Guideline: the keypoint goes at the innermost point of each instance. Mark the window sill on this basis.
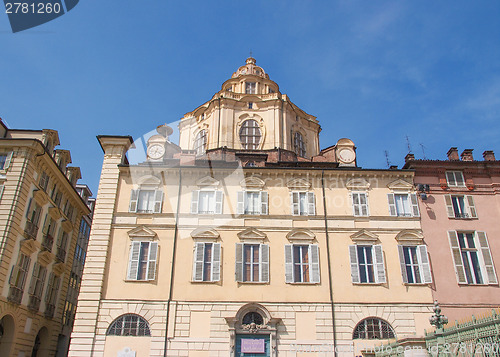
(416, 284)
(302, 283)
(368, 284)
(253, 282)
(205, 282)
(139, 281)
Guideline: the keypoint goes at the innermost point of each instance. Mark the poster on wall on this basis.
(253, 345)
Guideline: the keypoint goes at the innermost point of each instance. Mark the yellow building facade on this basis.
(40, 214)
(246, 239)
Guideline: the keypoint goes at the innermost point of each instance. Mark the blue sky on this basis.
(372, 71)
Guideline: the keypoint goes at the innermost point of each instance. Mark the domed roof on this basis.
(250, 69)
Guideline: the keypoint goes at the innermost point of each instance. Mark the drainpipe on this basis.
(174, 249)
(329, 262)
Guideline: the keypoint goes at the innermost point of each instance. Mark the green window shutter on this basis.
(264, 263)
(402, 264)
(414, 205)
(216, 255)
(314, 266)
(472, 207)
(134, 196)
(449, 206)
(46, 225)
(289, 263)
(194, 201)
(487, 259)
(28, 211)
(353, 257)
(264, 202)
(14, 273)
(153, 257)
(240, 206)
(158, 201)
(379, 264)
(219, 197)
(239, 262)
(457, 257)
(133, 264)
(392, 204)
(34, 278)
(49, 292)
(425, 267)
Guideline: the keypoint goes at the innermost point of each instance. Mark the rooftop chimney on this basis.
(453, 154)
(466, 155)
(489, 155)
(409, 157)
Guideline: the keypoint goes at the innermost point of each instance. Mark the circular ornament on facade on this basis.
(347, 155)
(156, 151)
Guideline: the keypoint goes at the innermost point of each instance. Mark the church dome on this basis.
(250, 68)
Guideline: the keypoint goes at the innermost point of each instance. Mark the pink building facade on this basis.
(459, 201)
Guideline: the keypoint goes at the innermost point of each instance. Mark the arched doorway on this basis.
(6, 335)
(41, 343)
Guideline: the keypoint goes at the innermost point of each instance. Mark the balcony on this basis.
(462, 215)
(30, 231)
(47, 243)
(34, 303)
(15, 295)
(49, 311)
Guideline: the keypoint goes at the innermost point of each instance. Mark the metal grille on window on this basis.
(253, 317)
(129, 325)
(373, 329)
(298, 144)
(250, 135)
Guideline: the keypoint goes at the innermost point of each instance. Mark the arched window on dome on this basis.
(252, 317)
(129, 325)
(200, 142)
(299, 145)
(373, 329)
(250, 135)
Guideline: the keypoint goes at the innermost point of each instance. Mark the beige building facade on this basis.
(40, 212)
(247, 239)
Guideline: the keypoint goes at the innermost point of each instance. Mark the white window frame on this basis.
(200, 142)
(484, 257)
(249, 132)
(455, 178)
(135, 260)
(378, 262)
(250, 87)
(360, 209)
(422, 263)
(215, 202)
(243, 202)
(312, 264)
(19, 274)
(299, 144)
(412, 204)
(469, 207)
(309, 208)
(7, 161)
(200, 262)
(156, 202)
(263, 263)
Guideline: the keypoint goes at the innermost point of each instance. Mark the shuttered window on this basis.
(359, 204)
(403, 205)
(207, 202)
(461, 206)
(146, 201)
(142, 261)
(302, 263)
(415, 267)
(5, 160)
(367, 264)
(252, 202)
(252, 262)
(206, 262)
(472, 258)
(303, 203)
(455, 179)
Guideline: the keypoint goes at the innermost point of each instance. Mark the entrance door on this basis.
(252, 346)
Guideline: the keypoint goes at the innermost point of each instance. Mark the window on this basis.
(129, 325)
(200, 143)
(250, 105)
(373, 329)
(32, 219)
(359, 204)
(206, 262)
(303, 203)
(455, 179)
(56, 195)
(250, 87)
(299, 146)
(252, 202)
(472, 258)
(252, 318)
(51, 295)
(18, 278)
(415, 267)
(252, 262)
(5, 160)
(250, 135)
(142, 262)
(367, 264)
(61, 244)
(271, 90)
(44, 181)
(403, 205)
(36, 286)
(206, 202)
(48, 231)
(460, 206)
(146, 201)
(302, 263)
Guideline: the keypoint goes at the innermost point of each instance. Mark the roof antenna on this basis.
(387, 158)
(250, 53)
(423, 150)
(408, 143)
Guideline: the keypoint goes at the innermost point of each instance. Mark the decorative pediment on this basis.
(40, 197)
(400, 185)
(299, 184)
(148, 180)
(45, 257)
(252, 182)
(207, 181)
(67, 226)
(142, 232)
(364, 236)
(55, 213)
(252, 233)
(358, 184)
(59, 268)
(300, 234)
(29, 246)
(410, 236)
(205, 233)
